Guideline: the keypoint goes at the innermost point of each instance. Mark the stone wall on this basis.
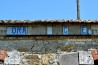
(48, 45)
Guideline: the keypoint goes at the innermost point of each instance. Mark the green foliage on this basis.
(67, 48)
(33, 59)
(23, 49)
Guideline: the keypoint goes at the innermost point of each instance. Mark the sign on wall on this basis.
(16, 30)
(65, 30)
(83, 30)
(49, 30)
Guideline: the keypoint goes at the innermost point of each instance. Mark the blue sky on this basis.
(47, 9)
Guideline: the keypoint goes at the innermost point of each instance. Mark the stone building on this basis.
(48, 35)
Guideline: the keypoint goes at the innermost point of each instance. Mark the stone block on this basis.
(69, 59)
(85, 58)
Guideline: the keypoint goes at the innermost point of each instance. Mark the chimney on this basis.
(78, 9)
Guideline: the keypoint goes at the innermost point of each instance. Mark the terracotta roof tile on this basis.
(34, 21)
(95, 54)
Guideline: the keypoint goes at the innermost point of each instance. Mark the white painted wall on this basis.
(13, 57)
(85, 57)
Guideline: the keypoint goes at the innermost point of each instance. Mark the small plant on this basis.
(67, 48)
(4, 49)
(22, 49)
(33, 59)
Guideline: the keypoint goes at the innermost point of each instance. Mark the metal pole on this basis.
(78, 9)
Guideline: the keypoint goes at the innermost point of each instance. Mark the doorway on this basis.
(95, 62)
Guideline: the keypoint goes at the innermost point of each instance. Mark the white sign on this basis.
(83, 30)
(16, 30)
(65, 30)
(49, 30)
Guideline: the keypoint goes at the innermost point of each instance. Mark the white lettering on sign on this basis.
(16, 30)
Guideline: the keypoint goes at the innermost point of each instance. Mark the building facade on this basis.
(48, 35)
